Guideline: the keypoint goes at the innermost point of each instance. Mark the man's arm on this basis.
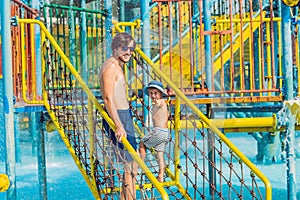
(109, 77)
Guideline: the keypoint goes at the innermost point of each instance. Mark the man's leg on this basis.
(128, 187)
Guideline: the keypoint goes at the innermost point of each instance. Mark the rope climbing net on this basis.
(199, 165)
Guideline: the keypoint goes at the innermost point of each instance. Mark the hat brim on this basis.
(154, 86)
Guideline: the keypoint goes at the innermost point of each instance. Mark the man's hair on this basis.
(122, 39)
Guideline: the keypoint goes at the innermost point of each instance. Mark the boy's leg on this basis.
(142, 151)
(161, 164)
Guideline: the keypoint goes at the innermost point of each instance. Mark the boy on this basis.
(160, 135)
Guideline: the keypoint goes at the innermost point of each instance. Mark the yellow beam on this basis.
(220, 100)
(262, 123)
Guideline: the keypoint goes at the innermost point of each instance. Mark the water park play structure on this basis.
(233, 67)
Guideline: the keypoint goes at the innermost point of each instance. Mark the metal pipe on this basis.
(91, 138)
(41, 155)
(250, 123)
(272, 45)
(83, 54)
(38, 75)
(72, 34)
(261, 48)
(298, 63)
(30, 74)
(268, 58)
(288, 82)
(207, 41)
(33, 131)
(160, 39)
(122, 11)
(108, 27)
(17, 140)
(170, 17)
(180, 15)
(177, 126)
(145, 17)
(251, 50)
(191, 45)
(8, 98)
(241, 54)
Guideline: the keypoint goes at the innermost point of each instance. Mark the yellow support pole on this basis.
(241, 53)
(268, 59)
(176, 176)
(280, 56)
(298, 57)
(33, 65)
(260, 81)
(92, 136)
(177, 125)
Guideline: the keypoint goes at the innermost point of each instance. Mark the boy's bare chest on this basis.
(154, 109)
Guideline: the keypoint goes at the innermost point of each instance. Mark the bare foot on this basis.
(160, 179)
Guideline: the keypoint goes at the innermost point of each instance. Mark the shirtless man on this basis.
(113, 88)
(160, 134)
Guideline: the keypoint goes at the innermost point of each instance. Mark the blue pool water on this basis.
(64, 180)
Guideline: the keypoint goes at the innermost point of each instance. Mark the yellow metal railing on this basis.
(195, 110)
(93, 102)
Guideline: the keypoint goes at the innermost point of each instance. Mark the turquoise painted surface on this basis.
(2, 135)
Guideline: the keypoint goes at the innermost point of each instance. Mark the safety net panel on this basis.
(78, 113)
